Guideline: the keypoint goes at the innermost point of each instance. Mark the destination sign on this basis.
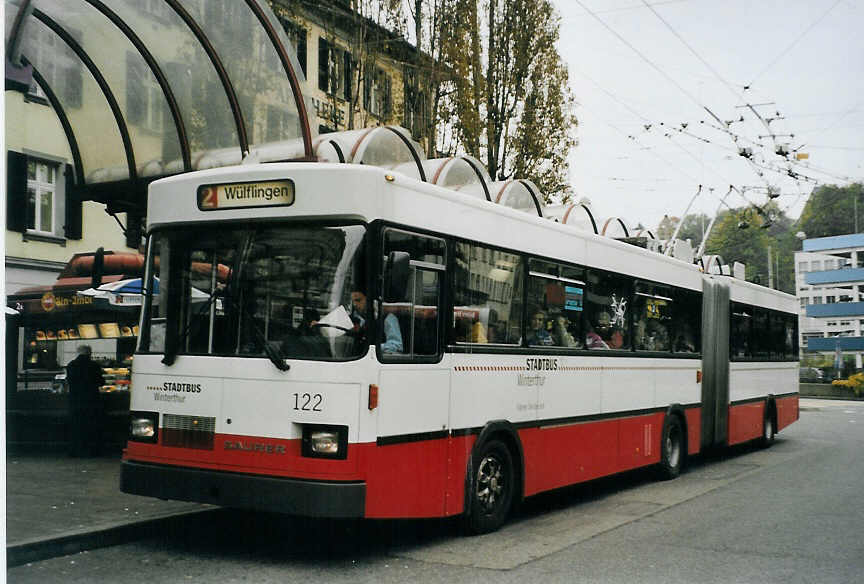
(279, 193)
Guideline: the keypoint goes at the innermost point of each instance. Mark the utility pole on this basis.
(770, 269)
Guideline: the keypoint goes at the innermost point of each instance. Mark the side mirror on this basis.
(397, 270)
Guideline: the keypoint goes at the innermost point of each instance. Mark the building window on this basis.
(802, 267)
(816, 265)
(416, 104)
(803, 302)
(334, 66)
(817, 300)
(145, 102)
(377, 93)
(41, 190)
(60, 68)
(830, 299)
(297, 36)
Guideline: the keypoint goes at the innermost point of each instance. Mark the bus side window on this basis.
(487, 296)
(410, 308)
(741, 316)
(653, 308)
(687, 322)
(554, 312)
(607, 307)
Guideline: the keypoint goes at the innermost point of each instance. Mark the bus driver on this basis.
(392, 333)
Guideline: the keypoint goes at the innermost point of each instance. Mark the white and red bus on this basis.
(343, 340)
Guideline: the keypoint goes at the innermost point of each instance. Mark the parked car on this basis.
(811, 375)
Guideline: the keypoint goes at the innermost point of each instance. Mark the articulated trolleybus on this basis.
(343, 340)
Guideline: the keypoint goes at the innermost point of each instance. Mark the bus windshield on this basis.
(271, 290)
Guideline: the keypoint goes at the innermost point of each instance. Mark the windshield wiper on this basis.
(173, 348)
(271, 348)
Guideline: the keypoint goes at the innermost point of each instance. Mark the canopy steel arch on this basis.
(220, 70)
(103, 85)
(174, 108)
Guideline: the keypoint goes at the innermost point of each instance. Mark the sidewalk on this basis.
(56, 505)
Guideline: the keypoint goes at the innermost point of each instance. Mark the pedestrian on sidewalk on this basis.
(85, 409)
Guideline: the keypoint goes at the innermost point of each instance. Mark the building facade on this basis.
(357, 74)
(829, 280)
(44, 226)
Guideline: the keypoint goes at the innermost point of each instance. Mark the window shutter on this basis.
(16, 191)
(74, 206)
(349, 72)
(387, 86)
(301, 49)
(367, 88)
(323, 64)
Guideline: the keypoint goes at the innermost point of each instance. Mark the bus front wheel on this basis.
(671, 449)
(492, 487)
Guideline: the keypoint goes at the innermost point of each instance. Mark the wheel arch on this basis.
(506, 432)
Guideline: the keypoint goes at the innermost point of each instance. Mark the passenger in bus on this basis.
(593, 340)
(613, 336)
(478, 332)
(645, 339)
(684, 345)
(392, 333)
(561, 335)
(537, 334)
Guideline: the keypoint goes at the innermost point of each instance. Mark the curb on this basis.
(43, 549)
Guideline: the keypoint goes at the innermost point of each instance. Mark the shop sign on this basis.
(50, 301)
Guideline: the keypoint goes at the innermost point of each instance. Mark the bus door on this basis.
(715, 362)
(414, 383)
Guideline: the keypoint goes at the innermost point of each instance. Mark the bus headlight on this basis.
(143, 426)
(325, 441)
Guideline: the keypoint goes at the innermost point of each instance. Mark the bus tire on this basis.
(769, 430)
(493, 483)
(671, 449)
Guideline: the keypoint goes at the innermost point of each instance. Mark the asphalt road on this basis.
(793, 513)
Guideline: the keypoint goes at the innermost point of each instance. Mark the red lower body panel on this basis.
(694, 429)
(416, 479)
(563, 455)
(745, 421)
(787, 410)
(427, 478)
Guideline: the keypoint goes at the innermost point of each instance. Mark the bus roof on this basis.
(366, 193)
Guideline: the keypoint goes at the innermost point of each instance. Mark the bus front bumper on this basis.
(226, 489)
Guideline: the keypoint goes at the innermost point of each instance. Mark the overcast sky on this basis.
(640, 73)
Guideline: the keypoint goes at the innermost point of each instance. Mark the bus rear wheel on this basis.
(492, 487)
(671, 449)
(768, 429)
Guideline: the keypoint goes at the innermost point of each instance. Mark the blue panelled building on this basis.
(829, 282)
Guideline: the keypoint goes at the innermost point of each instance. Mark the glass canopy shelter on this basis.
(158, 87)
